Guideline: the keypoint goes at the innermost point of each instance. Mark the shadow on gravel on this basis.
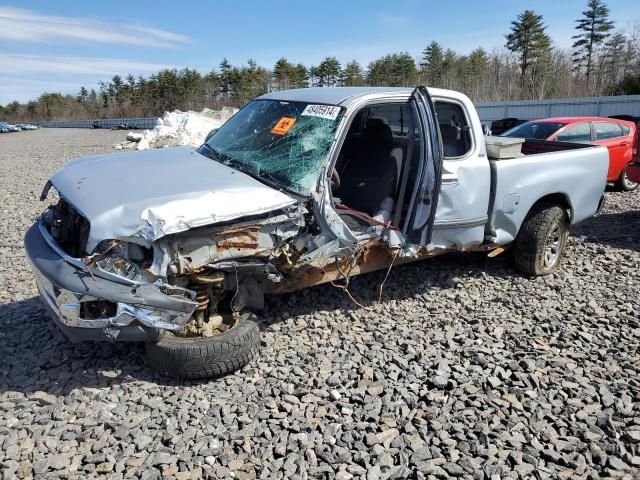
(430, 276)
(618, 230)
(38, 357)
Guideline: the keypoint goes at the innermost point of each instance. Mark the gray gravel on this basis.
(466, 370)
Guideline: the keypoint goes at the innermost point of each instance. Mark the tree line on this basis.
(602, 61)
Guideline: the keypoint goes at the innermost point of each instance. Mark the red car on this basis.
(619, 136)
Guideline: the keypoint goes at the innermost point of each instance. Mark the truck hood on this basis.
(153, 193)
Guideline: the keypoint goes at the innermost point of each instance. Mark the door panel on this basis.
(464, 196)
(424, 200)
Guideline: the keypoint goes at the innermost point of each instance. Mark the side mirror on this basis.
(485, 130)
(210, 134)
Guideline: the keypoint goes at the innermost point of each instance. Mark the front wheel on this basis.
(624, 183)
(542, 240)
(205, 357)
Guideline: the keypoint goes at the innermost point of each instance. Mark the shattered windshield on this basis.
(281, 143)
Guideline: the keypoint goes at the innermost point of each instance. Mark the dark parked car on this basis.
(499, 126)
(125, 126)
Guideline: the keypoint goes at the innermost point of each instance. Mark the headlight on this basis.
(123, 259)
(119, 266)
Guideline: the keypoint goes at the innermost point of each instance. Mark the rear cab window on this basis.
(454, 129)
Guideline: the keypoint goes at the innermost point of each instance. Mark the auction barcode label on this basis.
(323, 111)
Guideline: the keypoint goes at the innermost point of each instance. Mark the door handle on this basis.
(449, 179)
(624, 144)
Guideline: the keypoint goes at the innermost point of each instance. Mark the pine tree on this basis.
(529, 41)
(478, 62)
(613, 61)
(449, 69)
(431, 65)
(594, 27)
(83, 95)
(224, 78)
(282, 71)
(329, 72)
(299, 76)
(477, 65)
(395, 70)
(403, 68)
(352, 75)
(314, 76)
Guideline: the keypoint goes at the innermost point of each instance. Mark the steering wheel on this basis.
(335, 180)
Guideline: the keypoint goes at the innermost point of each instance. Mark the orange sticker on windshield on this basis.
(283, 125)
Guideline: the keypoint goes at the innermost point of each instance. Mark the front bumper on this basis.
(141, 312)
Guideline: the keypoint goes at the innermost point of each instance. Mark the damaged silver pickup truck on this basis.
(177, 247)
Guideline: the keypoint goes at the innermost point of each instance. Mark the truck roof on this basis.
(342, 95)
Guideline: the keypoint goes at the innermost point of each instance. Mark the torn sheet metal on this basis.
(373, 256)
(153, 193)
(265, 238)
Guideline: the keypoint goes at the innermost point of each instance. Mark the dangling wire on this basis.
(346, 278)
(347, 275)
(380, 289)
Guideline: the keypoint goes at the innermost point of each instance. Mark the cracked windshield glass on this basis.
(280, 143)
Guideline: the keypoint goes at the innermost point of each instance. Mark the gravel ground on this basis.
(467, 369)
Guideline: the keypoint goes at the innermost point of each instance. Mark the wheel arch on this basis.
(558, 198)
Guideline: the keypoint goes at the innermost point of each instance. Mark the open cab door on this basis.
(418, 223)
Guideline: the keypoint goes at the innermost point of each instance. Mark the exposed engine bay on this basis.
(227, 268)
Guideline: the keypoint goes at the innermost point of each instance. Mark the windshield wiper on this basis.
(216, 154)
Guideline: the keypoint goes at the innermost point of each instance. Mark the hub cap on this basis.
(552, 248)
(629, 185)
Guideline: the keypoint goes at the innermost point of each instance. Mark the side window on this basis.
(626, 130)
(395, 115)
(580, 133)
(607, 130)
(454, 129)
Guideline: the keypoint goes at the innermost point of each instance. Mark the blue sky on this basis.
(61, 45)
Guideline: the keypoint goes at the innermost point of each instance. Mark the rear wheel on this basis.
(542, 240)
(624, 183)
(205, 357)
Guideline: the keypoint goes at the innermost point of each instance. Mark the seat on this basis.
(452, 140)
(370, 173)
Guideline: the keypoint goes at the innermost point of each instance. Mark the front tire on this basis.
(542, 240)
(624, 183)
(205, 357)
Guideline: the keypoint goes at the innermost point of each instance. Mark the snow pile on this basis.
(178, 128)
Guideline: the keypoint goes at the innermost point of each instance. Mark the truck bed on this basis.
(573, 172)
